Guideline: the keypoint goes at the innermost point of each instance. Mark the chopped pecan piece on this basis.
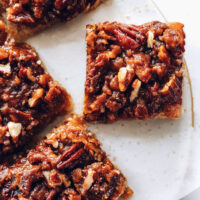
(55, 178)
(116, 101)
(114, 83)
(17, 15)
(174, 37)
(142, 62)
(81, 169)
(97, 104)
(136, 87)
(37, 94)
(171, 91)
(163, 55)
(3, 54)
(166, 88)
(125, 76)
(141, 110)
(128, 70)
(150, 39)
(160, 70)
(14, 130)
(5, 69)
(87, 180)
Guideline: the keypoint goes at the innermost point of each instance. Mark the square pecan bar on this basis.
(68, 164)
(24, 18)
(134, 72)
(29, 97)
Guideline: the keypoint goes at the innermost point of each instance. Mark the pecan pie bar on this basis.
(134, 72)
(24, 18)
(68, 164)
(29, 97)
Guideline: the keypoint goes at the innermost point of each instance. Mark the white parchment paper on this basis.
(158, 157)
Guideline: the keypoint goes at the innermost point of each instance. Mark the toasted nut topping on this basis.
(160, 70)
(55, 144)
(39, 62)
(163, 55)
(150, 39)
(30, 75)
(3, 54)
(165, 89)
(97, 104)
(37, 94)
(5, 68)
(46, 175)
(114, 84)
(14, 129)
(134, 93)
(64, 178)
(151, 53)
(53, 177)
(88, 181)
(44, 79)
(121, 78)
(17, 81)
(125, 76)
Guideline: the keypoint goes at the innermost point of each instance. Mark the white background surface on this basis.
(193, 196)
(159, 157)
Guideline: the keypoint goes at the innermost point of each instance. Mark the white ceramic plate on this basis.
(158, 157)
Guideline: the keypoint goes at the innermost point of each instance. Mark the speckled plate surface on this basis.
(157, 156)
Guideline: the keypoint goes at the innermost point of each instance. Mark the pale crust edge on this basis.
(170, 112)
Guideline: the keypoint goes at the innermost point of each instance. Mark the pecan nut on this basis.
(125, 76)
(37, 94)
(136, 87)
(71, 157)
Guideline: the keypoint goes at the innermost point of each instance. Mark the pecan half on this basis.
(71, 157)
(125, 41)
